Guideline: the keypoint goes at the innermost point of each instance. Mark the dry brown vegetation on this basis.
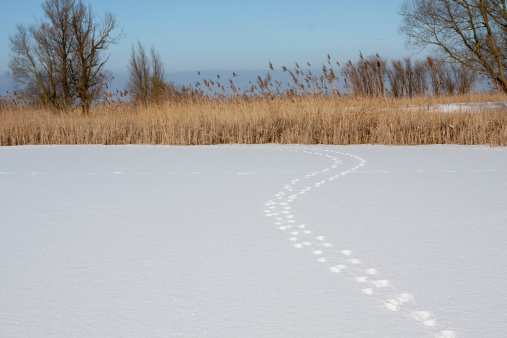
(194, 120)
(380, 103)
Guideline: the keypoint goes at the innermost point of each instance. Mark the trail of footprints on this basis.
(337, 260)
(340, 260)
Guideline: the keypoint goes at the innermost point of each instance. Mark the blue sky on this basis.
(235, 35)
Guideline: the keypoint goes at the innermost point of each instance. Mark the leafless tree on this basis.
(464, 77)
(158, 83)
(32, 67)
(472, 33)
(92, 39)
(139, 74)
(367, 77)
(146, 75)
(407, 79)
(61, 44)
(59, 62)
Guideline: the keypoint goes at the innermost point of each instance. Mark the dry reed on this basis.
(281, 119)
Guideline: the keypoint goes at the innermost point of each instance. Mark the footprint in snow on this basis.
(396, 302)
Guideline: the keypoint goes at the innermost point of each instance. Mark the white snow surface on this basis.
(467, 107)
(253, 241)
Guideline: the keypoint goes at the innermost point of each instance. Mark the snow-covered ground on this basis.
(453, 107)
(468, 107)
(253, 241)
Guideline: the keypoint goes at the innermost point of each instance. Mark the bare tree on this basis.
(407, 79)
(465, 78)
(367, 77)
(146, 75)
(139, 74)
(92, 39)
(472, 33)
(58, 33)
(32, 66)
(158, 83)
(59, 62)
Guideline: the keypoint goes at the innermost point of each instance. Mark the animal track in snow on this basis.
(341, 261)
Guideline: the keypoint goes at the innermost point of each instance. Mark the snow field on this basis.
(339, 260)
(254, 241)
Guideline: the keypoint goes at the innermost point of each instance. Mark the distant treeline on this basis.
(58, 62)
(370, 76)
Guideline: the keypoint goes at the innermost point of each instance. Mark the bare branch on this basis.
(470, 32)
(61, 60)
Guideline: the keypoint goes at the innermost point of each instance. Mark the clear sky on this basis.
(236, 35)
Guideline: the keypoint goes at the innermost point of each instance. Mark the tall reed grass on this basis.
(367, 102)
(271, 118)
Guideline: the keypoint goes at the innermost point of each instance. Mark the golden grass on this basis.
(285, 120)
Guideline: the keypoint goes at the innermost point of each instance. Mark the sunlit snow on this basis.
(253, 241)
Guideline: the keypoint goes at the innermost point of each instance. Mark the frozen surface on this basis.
(468, 107)
(253, 241)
